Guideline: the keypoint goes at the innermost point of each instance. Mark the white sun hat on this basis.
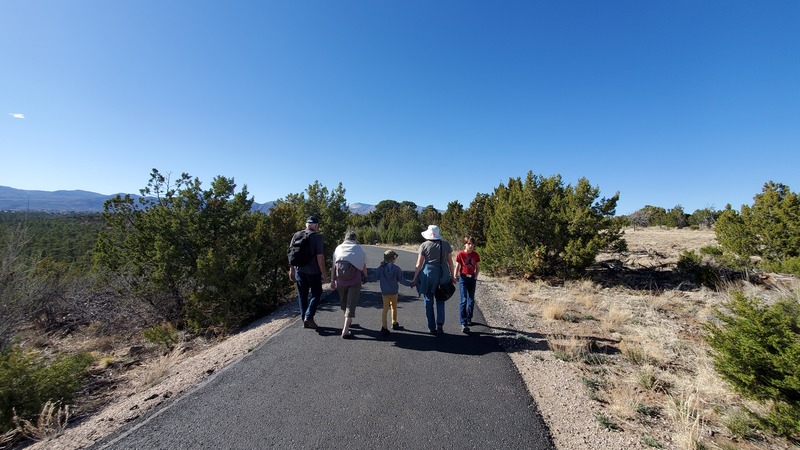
(432, 233)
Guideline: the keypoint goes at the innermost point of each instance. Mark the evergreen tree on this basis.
(192, 254)
(474, 218)
(452, 226)
(539, 227)
(769, 229)
(756, 347)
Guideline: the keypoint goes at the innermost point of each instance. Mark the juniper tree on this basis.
(197, 256)
(540, 227)
(769, 229)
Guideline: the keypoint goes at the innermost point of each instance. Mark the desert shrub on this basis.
(692, 265)
(787, 265)
(200, 255)
(164, 336)
(769, 229)
(740, 424)
(539, 227)
(28, 382)
(703, 218)
(756, 347)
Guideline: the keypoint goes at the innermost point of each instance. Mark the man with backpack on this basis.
(307, 269)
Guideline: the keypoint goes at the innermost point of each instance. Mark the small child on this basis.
(389, 275)
(467, 268)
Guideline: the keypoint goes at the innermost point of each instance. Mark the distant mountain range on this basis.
(83, 201)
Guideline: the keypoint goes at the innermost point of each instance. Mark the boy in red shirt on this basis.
(467, 268)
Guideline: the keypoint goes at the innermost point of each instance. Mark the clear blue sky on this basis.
(694, 103)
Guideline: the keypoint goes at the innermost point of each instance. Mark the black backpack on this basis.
(300, 252)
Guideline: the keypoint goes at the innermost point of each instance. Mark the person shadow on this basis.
(480, 340)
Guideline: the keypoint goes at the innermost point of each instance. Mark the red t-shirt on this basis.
(468, 261)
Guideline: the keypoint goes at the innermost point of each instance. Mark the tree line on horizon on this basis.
(185, 257)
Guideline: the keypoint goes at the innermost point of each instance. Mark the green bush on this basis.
(27, 382)
(164, 336)
(788, 265)
(769, 229)
(538, 227)
(756, 348)
(201, 257)
(691, 264)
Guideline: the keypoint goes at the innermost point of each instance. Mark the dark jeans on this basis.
(467, 306)
(308, 304)
(434, 320)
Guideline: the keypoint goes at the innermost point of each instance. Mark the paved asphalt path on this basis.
(310, 389)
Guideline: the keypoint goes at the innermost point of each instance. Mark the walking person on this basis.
(347, 274)
(467, 268)
(309, 273)
(390, 276)
(434, 267)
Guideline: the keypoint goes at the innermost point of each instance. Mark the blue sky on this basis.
(694, 103)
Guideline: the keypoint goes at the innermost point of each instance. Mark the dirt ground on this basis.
(610, 366)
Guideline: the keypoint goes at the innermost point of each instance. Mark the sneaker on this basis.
(384, 331)
(309, 323)
(465, 329)
(440, 329)
(396, 326)
(347, 335)
(434, 332)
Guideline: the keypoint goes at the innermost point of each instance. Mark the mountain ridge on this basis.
(80, 201)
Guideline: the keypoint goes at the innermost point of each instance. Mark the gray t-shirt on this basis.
(435, 252)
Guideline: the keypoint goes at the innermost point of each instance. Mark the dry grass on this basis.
(616, 317)
(657, 379)
(51, 422)
(555, 310)
(568, 348)
(684, 410)
(158, 368)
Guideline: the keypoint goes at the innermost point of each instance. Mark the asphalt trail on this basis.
(307, 389)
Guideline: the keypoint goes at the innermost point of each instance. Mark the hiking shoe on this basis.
(397, 326)
(465, 329)
(309, 323)
(384, 331)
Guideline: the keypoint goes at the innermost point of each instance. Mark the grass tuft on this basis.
(51, 422)
(606, 422)
(554, 311)
(650, 442)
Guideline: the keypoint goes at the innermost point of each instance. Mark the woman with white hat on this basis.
(434, 267)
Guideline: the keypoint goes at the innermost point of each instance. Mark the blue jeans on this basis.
(467, 306)
(308, 304)
(432, 322)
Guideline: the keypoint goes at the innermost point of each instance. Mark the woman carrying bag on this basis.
(434, 267)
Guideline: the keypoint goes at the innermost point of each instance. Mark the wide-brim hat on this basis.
(432, 233)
